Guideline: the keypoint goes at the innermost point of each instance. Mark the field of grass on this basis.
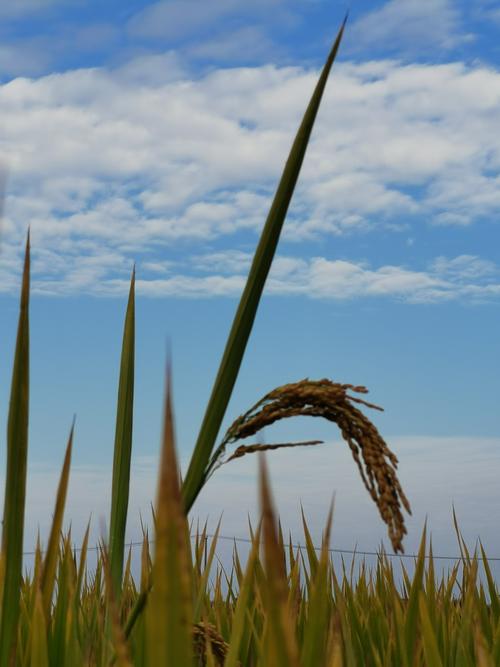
(284, 606)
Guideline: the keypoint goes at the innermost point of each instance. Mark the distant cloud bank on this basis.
(435, 472)
(111, 166)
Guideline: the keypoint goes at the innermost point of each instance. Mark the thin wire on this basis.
(247, 540)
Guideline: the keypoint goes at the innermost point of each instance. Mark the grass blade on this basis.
(411, 623)
(169, 612)
(204, 578)
(311, 551)
(123, 446)
(49, 567)
(281, 648)
(83, 561)
(431, 650)
(122, 657)
(15, 480)
(317, 624)
(494, 601)
(243, 605)
(39, 651)
(247, 309)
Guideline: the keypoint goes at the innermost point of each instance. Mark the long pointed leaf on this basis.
(169, 613)
(281, 644)
(120, 645)
(247, 309)
(15, 480)
(242, 608)
(49, 567)
(123, 446)
(39, 651)
(411, 624)
(316, 626)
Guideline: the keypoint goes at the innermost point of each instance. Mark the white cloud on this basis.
(249, 43)
(190, 286)
(156, 267)
(20, 7)
(409, 26)
(176, 19)
(114, 166)
(464, 267)
(344, 280)
(445, 279)
(486, 10)
(152, 70)
(28, 58)
(45, 50)
(231, 261)
(478, 192)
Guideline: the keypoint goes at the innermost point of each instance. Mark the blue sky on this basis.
(155, 133)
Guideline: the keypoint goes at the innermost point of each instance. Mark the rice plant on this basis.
(286, 605)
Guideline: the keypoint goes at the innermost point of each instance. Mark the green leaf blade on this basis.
(247, 309)
(123, 446)
(15, 482)
(49, 567)
(169, 611)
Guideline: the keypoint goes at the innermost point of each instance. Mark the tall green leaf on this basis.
(15, 480)
(119, 640)
(431, 649)
(412, 616)
(123, 446)
(243, 605)
(50, 563)
(247, 309)
(316, 627)
(169, 611)
(281, 646)
(39, 653)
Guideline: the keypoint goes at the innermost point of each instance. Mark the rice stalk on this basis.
(169, 610)
(15, 481)
(47, 577)
(123, 445)
(245, 315)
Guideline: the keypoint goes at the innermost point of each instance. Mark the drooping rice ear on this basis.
(335, 402)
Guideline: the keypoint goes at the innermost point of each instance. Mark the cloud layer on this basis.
(465, 277)
(145, 163)
(410, 26)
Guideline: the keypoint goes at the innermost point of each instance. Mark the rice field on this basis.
(282, 605)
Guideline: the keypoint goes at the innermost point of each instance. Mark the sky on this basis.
(155, 134)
